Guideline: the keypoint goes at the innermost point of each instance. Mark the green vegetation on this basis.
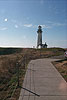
(51, 49)
(31, 51)
(6, 51)
(57, 51)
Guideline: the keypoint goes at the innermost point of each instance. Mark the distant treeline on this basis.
(5, 51)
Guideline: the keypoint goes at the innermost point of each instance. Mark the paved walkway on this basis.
(43, 79)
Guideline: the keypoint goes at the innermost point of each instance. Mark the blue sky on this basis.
(19, 20)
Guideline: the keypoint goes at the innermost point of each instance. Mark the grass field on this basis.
(8, 68)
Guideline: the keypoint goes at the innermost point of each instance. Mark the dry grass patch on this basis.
(8, 76)
(62, 67)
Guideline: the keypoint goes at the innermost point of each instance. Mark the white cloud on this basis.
(35, 26)
(16, 26)
(5, 19)
(28, 25)
(46, 26)
(43, 26)
(59, 24)
(3, 28)
(54, 24)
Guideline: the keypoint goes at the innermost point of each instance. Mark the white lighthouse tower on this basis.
(39, 41)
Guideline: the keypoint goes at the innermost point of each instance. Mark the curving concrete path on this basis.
(43, 82)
